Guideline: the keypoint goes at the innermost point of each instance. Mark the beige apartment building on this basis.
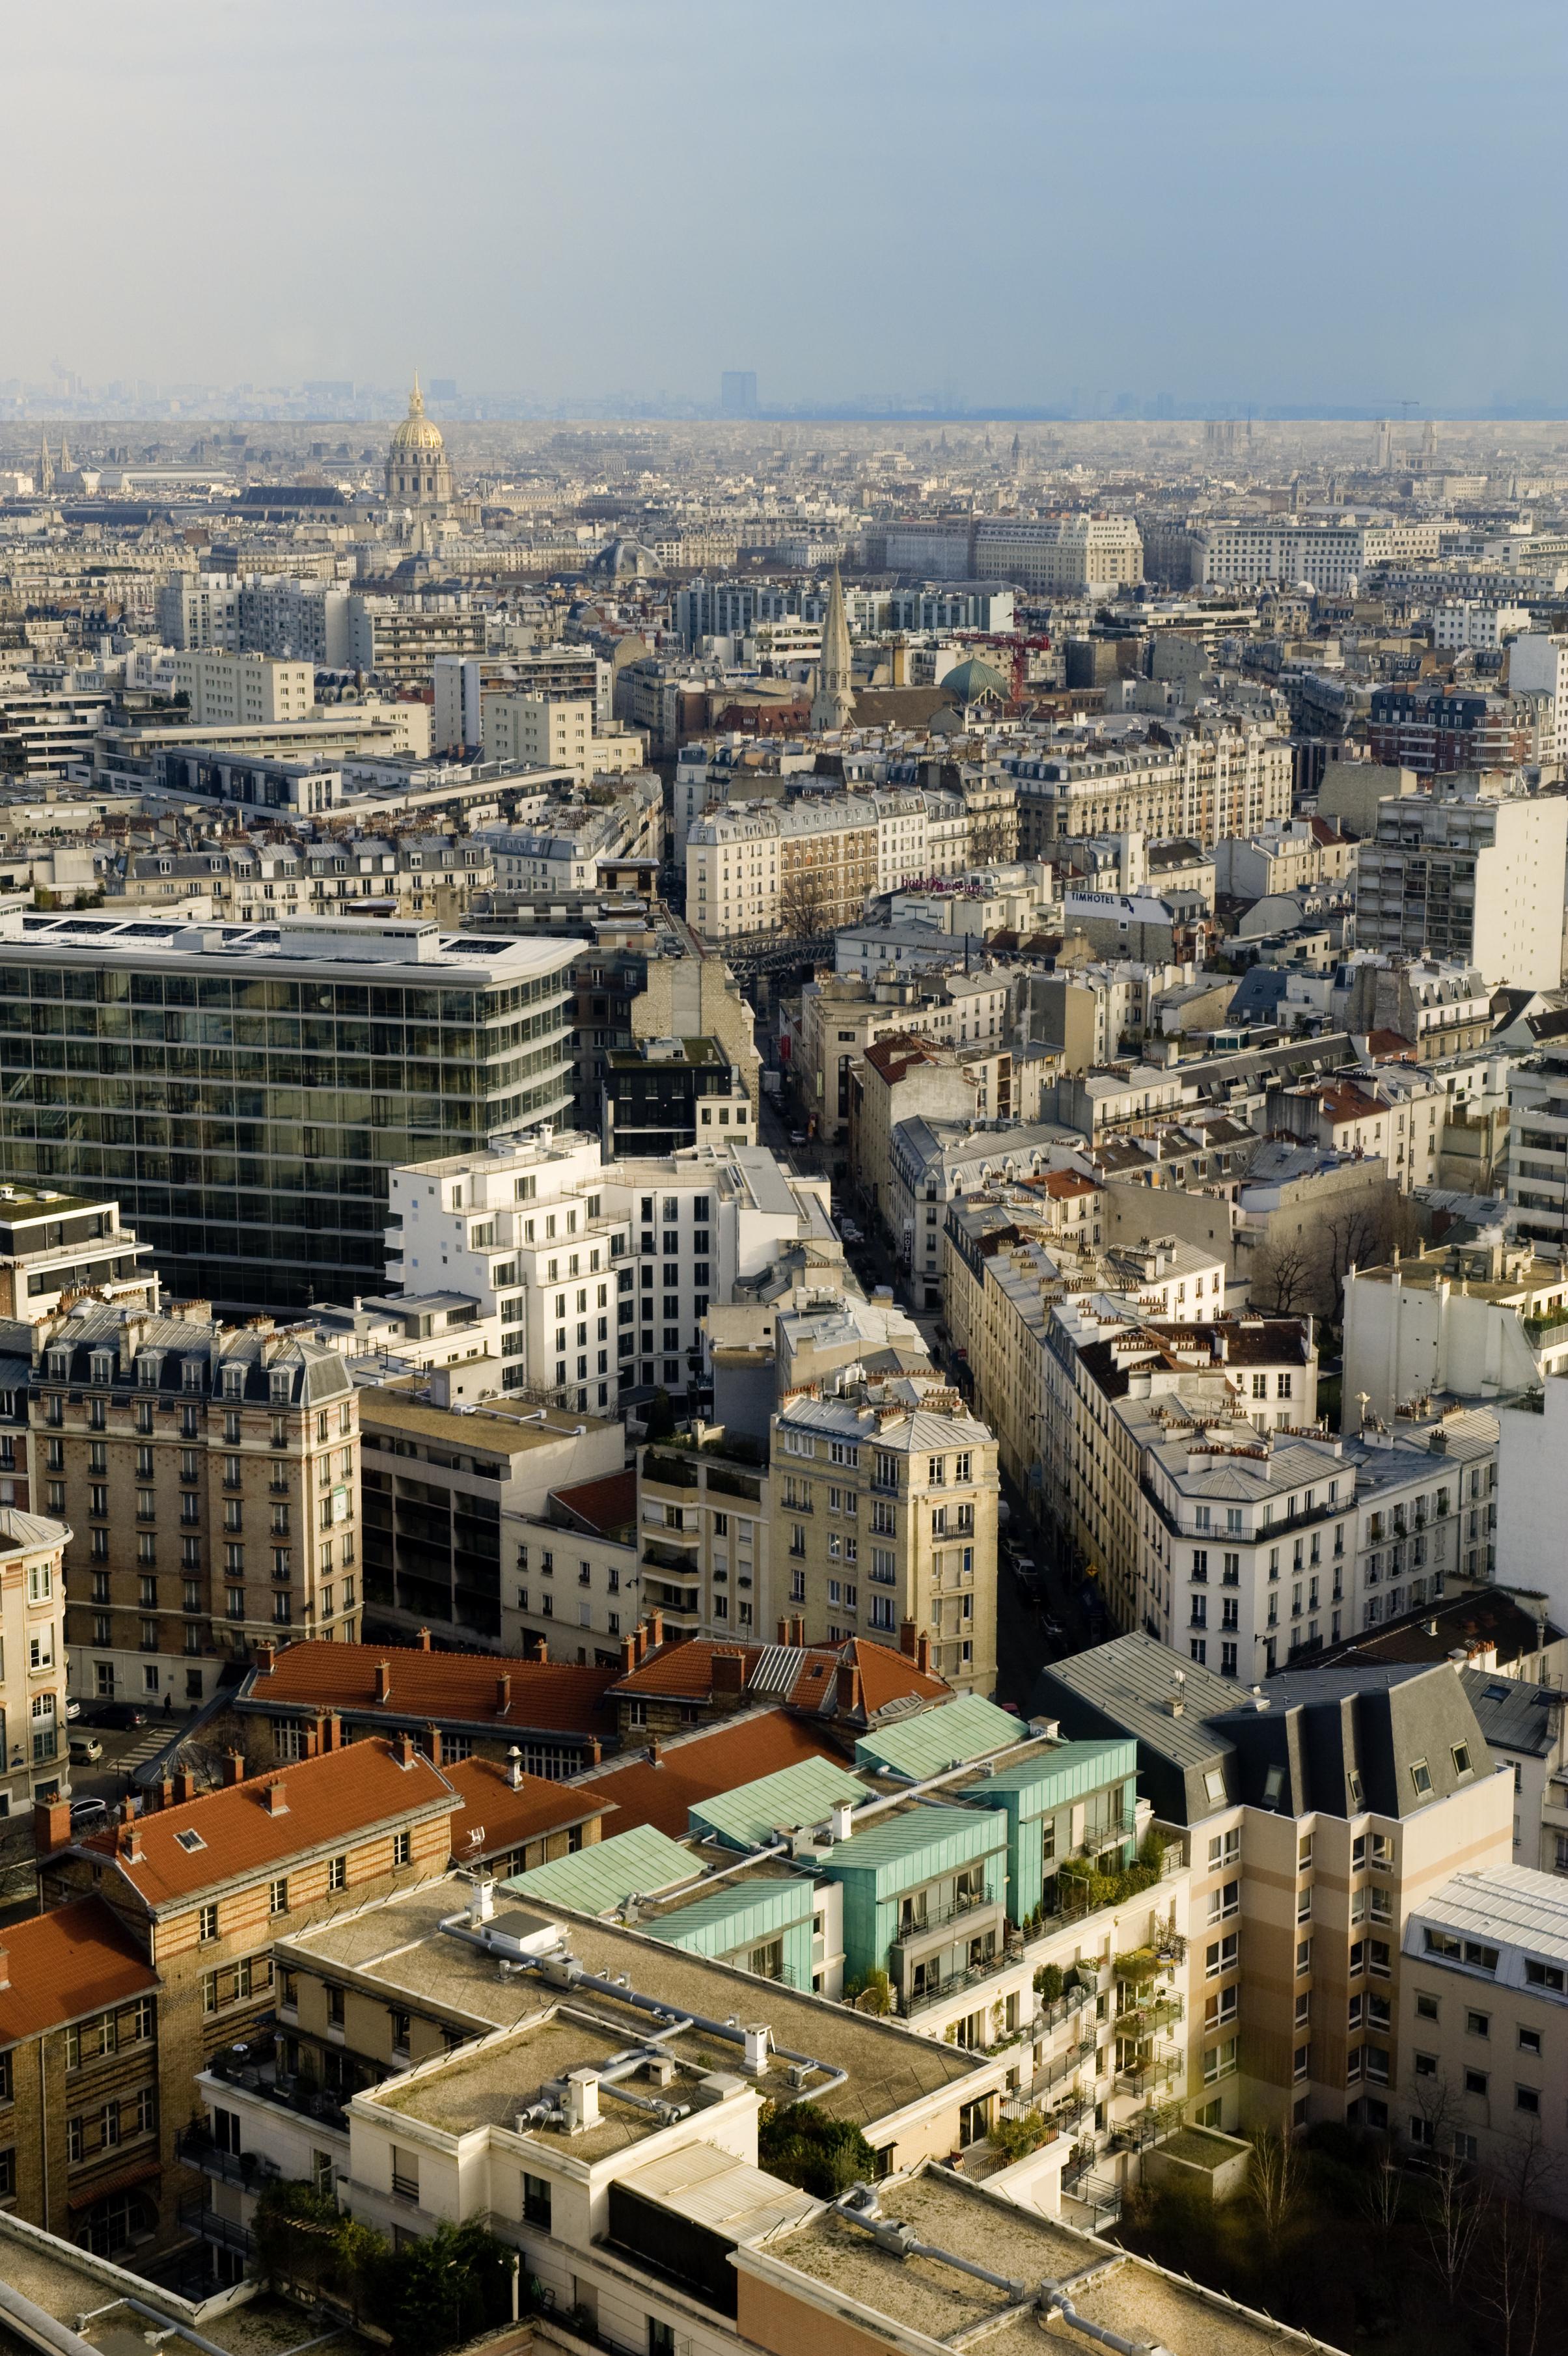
(236, 690)
(799, 868)
(1323, 1811)
(1072, 551)
(32, 1659)
(210, 1478)
(1484, 2028)
(557, 731)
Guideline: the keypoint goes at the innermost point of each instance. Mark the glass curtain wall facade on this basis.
(245, 1110)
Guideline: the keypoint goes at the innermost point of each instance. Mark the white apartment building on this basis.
(229, 690)
(1074, 551)
(598, 1272)
(1484, 1320)
(1468, 873)
(1538, 1146)
(308, 620)
(1325, 555)
(1538, 667)
(1477, 624)
(557, 731)
(1259, 1548)
(199, 611)
(560, 847)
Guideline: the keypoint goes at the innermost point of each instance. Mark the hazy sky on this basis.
(1353, 201)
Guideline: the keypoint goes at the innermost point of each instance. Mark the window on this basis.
(337, 1873)
(1477, 2024)
(1528, 2098)
(1474, 2082)
(402, 1847)
(209, 1923)
(1530, 2040)
(1425, 2007)
(1421, 1776)
(536, 2201)
(1542, 1975)
(404, 2174)
(277, 1896)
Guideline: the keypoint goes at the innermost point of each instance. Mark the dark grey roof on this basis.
(131, 1339)
(1513, 1714)
(1126, 1687)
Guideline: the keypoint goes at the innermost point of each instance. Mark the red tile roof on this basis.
(550, 1696)
(1389, 1046)
(503, 1817)
(75, 1960)
(1347, 1103)
(340, 1797)
(797, 1677)
(696, 1767)
(893, 1055)
(608, 1506)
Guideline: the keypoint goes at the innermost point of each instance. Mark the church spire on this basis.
(416, 399)
(65, 465)
(833, 702)
(46, 466)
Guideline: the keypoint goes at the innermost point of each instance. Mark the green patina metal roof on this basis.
(1057, 1776)
(599, 1877)
(800, 1794)
(907, 1831)
(771, 1902)
(959, 1731)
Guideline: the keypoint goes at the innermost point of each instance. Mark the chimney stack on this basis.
(383, 1681)
(184, 1786)
(593, 1751)
(233, 1767)
(5, 1966)
(923, 1654)
(728, 1676)
(51, 1826)
(628, 1656)
(906, 1634)
(425, 1640)
(783, 1628)
(433, 1744)
(503, 1696)
(266, 1659)
(403, 1748)
(277, 1799)
(514, 1768)
(655, 1629)
(848, 1695)
(798, 1630)
(534, 1647)
(166, 1793)
(653, 1750)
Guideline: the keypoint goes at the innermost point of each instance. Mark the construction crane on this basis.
(1017, 649)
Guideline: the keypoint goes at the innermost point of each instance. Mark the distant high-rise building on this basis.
(737, 392)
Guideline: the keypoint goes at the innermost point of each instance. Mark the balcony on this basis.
(1146, 2077)
(222, 2232)
(932, 1918)
(247, 2169)
(269, 2084)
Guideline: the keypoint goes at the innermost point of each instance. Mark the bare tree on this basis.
(804, 904)
(1512, 2277)
(1382, 2190)
(1277, 2175)
(1283, 1279)
(1456, 2206)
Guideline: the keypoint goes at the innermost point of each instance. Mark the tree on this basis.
(1283, 1279)
(1383, 2190)
(659, 1420)
(1276, 2177)
(1454, 2211)
(823, 2156)
(1512, 2277)
(804, 903)
(444, 2287)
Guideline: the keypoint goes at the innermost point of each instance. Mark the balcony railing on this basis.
(248, 2169)
(932, 1918)
(911, 2001)
(222, 2232)
(1146, 2077)
(322, 2105)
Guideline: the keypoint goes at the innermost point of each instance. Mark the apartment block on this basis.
(1469, 874)
(201, 1888)
(799, 868)
(33, 1729)
(1319, 1814)
(1072, 551)
(558, 732)
(295, 1065)
(210, 1478)
(235, 691)
(1478, 1321)
(54, 1245)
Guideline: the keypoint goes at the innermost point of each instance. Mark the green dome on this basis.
(972, 679)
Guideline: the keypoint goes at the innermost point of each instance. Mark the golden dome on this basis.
(417, 433)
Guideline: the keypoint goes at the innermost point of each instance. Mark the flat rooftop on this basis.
(387, 952)
(508, 1434)
(399, 1950)
(1108, 2287)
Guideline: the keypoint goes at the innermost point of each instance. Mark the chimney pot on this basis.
(653, 1750)
(403, 1748)
(425, 1640)
(593, 1751)
(514, 1768)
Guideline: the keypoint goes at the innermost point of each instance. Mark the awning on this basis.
(121, 2182)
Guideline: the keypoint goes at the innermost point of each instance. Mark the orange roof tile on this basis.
(893, 1055)
(696, 1767)
(339, 1797)
(552, 1696)
(493, 1814)
(75, 1960)
(800, 1678)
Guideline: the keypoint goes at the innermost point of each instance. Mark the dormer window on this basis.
(149, 1364)
(102, 1366)
(279, 1386)
(190, 1374)
(234, 1382)
(59, 1365)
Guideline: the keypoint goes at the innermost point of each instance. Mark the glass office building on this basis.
(241, 1091)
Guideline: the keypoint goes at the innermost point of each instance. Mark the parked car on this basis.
(84, 1750)
(117, 1714)
(73, 1710)
(797, 1137)
(86, 1814)
(1053, 1629)
(1023, 1567)
(1029, 1586)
